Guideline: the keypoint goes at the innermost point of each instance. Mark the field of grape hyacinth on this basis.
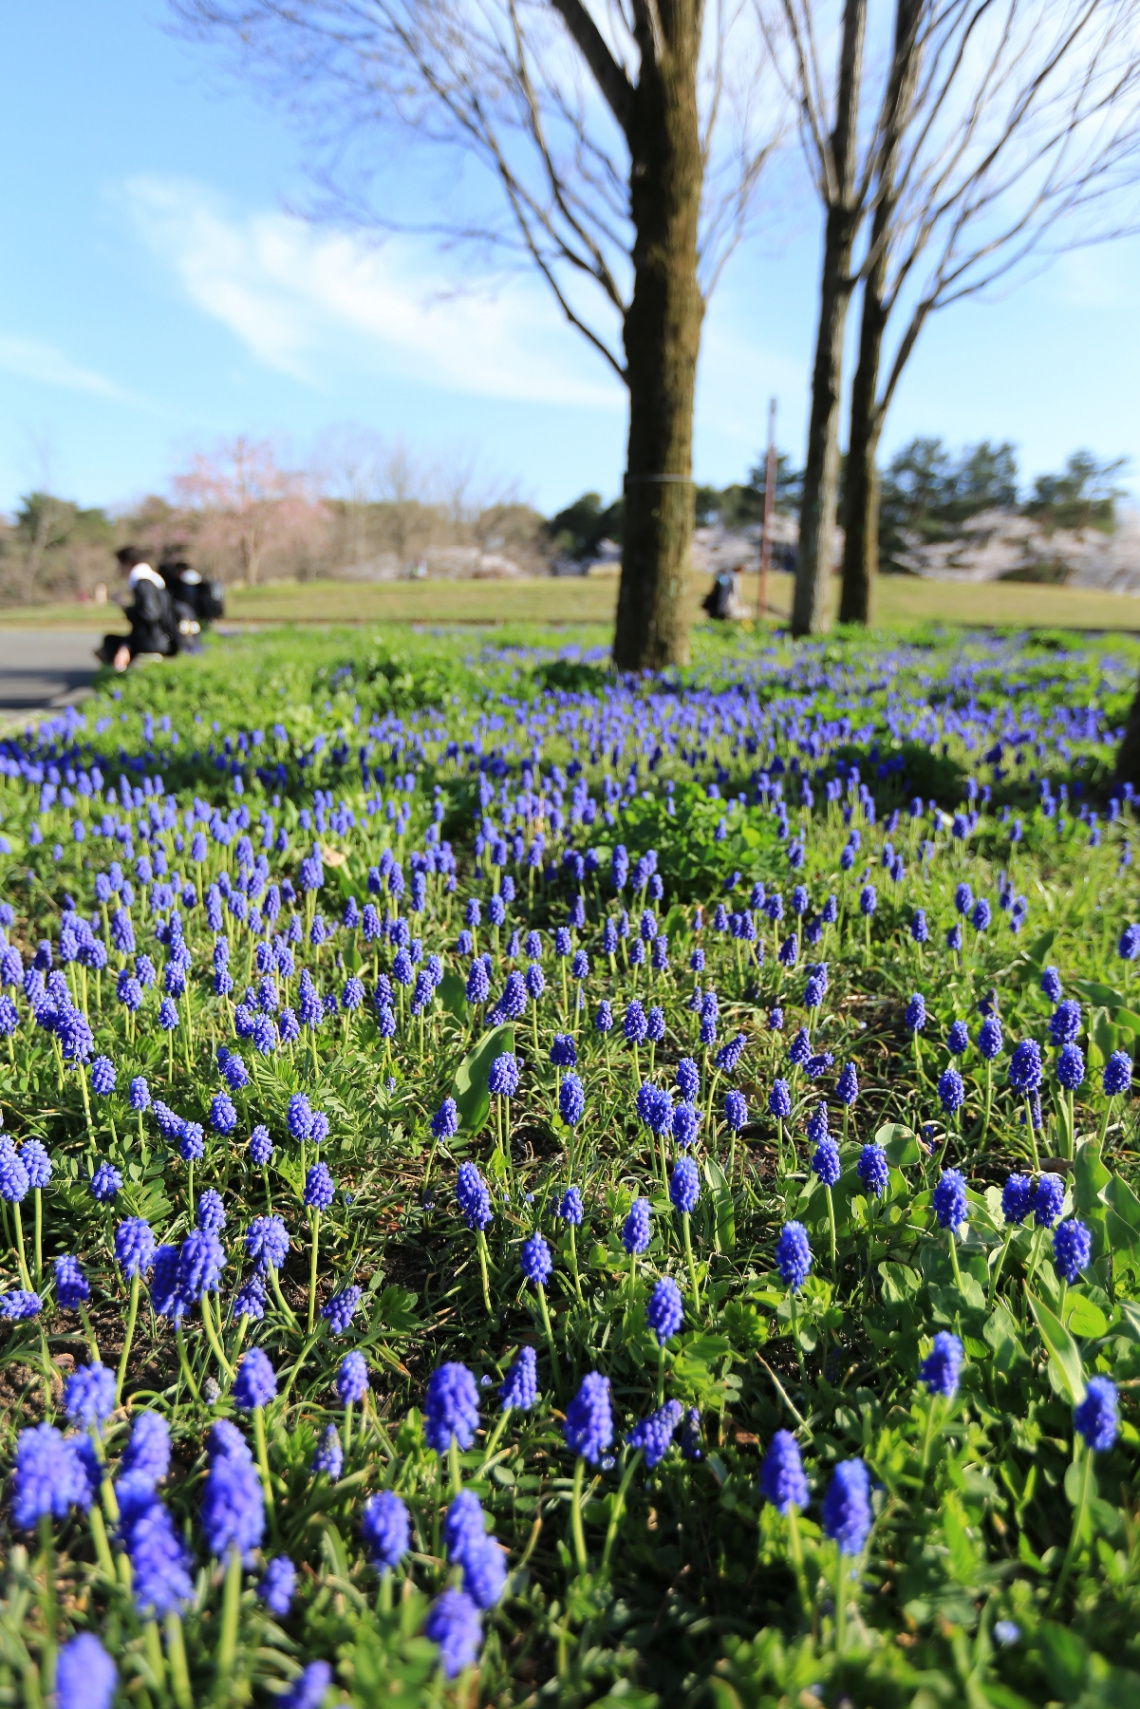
(521, 1187)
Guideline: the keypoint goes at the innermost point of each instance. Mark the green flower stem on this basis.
(1032, 1132)
(179, 1672)
(96, 1357)
(493, 1440)
(574, 1267)
(618, 1508)
(481, 1244)
(453, 1466)
(152, 1644)
(689, 1257)
(239, 1337)
(279, 1297)
(995, 1273)
(831, 1226)
(132, 1316)
(22, 1260)
(660, 1373)
(263, 1464)
(227, 1644)
(796, 1336)
(48, 1611)
(347, 1427)
(1078, 1526)
(796, 1550)
(577, 1532)
(212, 1337)
(842, 1589)
(928, 1432)
(315, 1223)
(180, 1342)
(549, 1333)
(954, 1258)
(39, 1237)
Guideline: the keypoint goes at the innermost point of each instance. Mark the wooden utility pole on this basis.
(769, 506)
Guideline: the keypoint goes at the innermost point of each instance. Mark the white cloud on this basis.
(32, 360)
(306, 300)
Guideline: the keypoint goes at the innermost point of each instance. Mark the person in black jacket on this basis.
(150, 614)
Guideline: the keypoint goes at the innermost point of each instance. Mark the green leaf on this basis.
(721, 1196)
(1062, 1349)
(453, 995)
(963, 1554)
(469, 1089)
(1084, 1317)
(900, 1283)
(395, 1309)
(1092, 992)
(899, 1143)
(1124, 1202)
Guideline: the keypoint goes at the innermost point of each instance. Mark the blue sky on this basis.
(156, 296)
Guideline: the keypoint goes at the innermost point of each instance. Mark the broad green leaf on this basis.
(963, 1553)
(1124, 1202)
(1092, 992)
(1084, 1317)
(472, 1099)
(453, 995)
(900, 1282)
(722, 1206)
(1062, 1349)
(899, 1143)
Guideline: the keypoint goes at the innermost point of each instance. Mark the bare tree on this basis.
(621, 141)
(403, 486)
(1009, 131)
(246, 502)
(995, 130)
(347, 465)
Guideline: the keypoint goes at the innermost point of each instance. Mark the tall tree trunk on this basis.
(811, 611)
(662, 335)
(861, 499)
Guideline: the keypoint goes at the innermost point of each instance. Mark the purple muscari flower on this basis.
(103, 1076)
(260, 1146)
(825, 1162)
(211, 1211)
(782, 1480)
(1048, 1198)
(267, 1241)
(277, 1586)
(915, 1016)
(192, 1144)
(686, 1122)
(735, 1110)
(299, 1116)
(563, 1051)
(794, 1255)
(18, 1304)
(160, 1562)
(800, 1048)
(589, 1426)
(1095, 1418)
(780, 1100)
(520, 1387)
(339, 1311)
(134, 1247)
(249, 1300)
(46, 1478)
(105, 1183)
(919, 930)
(233, 1504)
(950, 1199)
(604, 1019)
(139, 1094)
(847, 1086)
(570, 1208)
(223, 1115)
(484, 1570)
(386, 1529)
(665, 1312)
(1065, 1022)
(1025, 1066)
(990, 1038)
(453, 1623)
(201, 1259)
(1117, 1076)
(85, 1675)
(684, 1186)
(635, 1232)
(1017, 1199)
(72, 1288)
(873, 1169)
(451, 1408)
(688, 1080)
(958, 1039)
(352, 1378)
(981, 915)
(571, 1100)
(462, 1525)
(15, 1184)
(89, 1394)
(320, 1189)
(847, 1507)
(535, 1260)
(939, 1370)
(654, 1434)
(473, 1198)
(147, 1453)
(951, 1090)
(1071, 1066)
(1051, 984)
(1072, 1248)
(634, 1025)
(445, 1122)
(310, 1688)
(503, 1078)
(256, 1381)
(329, 1457)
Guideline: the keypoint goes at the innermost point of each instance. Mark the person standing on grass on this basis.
(150, 614)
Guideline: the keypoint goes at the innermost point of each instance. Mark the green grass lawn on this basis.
(901, 602)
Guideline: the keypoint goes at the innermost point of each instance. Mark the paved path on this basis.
(45, 667)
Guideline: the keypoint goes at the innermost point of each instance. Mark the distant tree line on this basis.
(928, 492)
